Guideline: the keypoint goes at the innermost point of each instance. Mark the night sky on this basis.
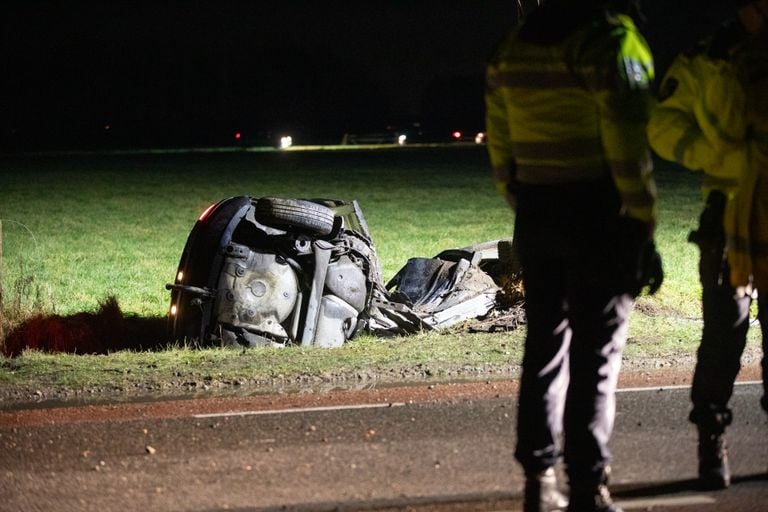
(112, 74)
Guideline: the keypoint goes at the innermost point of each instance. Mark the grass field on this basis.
(77, 229)
(89, 227)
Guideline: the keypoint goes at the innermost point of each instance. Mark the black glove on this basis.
(639, 263)
(649, 269)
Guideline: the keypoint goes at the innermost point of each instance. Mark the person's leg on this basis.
(599, 321)
(544, 378)
(542, 388)
(545, 365)
(726, 322)
(564, 235)
(762, 316)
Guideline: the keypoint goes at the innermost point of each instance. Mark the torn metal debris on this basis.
(274, 272)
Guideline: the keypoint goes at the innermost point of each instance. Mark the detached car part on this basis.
(272, 272)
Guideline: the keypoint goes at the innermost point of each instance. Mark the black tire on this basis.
(294, 215)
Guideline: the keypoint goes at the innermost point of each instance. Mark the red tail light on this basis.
(207, 212)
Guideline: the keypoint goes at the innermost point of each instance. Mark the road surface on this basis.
(385, 449)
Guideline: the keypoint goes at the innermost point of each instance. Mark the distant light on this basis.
(286, 142)
(107, 127)
(456, 135)
(173, 310)
(238, 135)
(480, 138)
(401, 139)
(206, 213)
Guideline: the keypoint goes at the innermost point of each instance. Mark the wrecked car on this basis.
(275, 272)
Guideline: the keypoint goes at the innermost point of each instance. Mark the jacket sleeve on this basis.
(624, 111)
(684, 126)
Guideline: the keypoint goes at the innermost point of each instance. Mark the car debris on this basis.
(272, 271)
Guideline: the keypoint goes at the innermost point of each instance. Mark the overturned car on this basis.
(274, 272)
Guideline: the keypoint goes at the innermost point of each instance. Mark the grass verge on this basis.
(100, 226)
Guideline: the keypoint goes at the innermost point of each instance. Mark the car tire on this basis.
(294, 215)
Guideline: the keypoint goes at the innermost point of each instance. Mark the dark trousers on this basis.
(726, 322)
(577, 311)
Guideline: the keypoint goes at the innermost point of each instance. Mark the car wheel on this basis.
(294, 215)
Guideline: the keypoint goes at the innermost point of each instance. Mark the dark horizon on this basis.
(123, 75)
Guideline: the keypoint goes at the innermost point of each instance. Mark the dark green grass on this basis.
(88, 227)
(80, 228)
(116, 226)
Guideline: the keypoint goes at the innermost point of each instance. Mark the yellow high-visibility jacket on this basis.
(713, 116)
(574, 111)
(743, 101)
(685, 124)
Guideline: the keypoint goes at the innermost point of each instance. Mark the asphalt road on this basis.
(404, 454)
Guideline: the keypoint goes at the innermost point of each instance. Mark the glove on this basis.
(639, 263)
(650, 272)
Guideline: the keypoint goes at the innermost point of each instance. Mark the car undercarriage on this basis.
(276, 272)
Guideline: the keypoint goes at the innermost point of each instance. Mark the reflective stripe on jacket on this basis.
(685, 125)
(712, 112)
(574, 111)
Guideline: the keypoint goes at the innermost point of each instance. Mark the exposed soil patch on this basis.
(379, 384)
(109, 330)
(311, 397)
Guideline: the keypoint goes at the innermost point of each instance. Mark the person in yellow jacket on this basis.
(567, 104)
(712, 116)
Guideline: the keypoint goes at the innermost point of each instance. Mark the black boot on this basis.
(591, 495)
(714, 472)
(541, 493)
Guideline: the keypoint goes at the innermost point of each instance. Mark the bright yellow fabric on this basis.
(744, 119)
(716, 120)
(684, 125)
(554, 118)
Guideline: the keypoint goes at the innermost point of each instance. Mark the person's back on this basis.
(566, 106)
(571, 99)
